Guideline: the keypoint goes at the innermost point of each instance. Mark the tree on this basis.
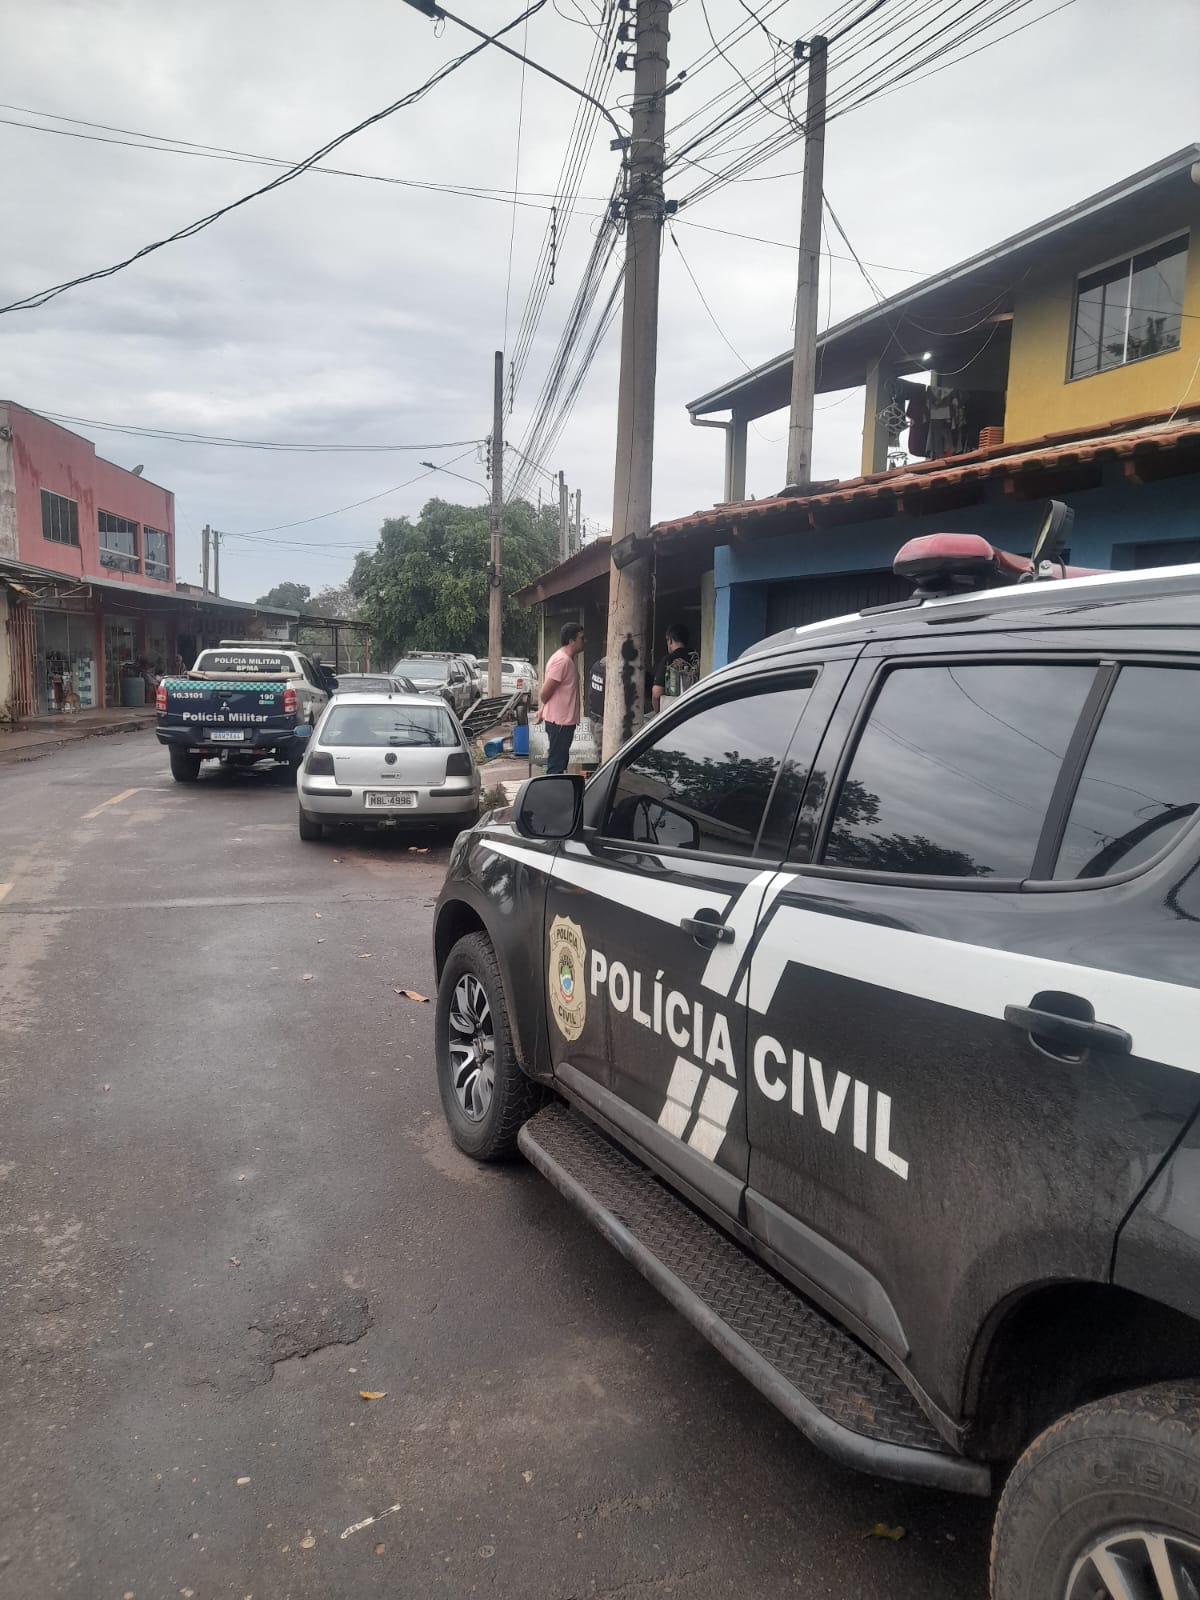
(425, 585)
(334, 601)
(288, 596)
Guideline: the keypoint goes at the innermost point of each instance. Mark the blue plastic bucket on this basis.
(520, 739)
(493, 748)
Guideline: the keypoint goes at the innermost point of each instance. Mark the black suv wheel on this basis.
(485, 1095)
(1105, 1504)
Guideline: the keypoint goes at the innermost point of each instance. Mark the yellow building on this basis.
(1087, 318)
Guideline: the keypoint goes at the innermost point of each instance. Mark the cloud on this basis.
(339, 309)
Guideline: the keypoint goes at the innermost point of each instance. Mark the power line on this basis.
(40, 298)
(184, 436)
(277, 527)
(165, 144)
(512, 232)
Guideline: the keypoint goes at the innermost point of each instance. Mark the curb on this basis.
(30, 752)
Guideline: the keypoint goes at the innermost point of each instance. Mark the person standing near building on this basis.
(558, 698)
(677, 652)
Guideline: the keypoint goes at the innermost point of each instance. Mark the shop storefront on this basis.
(65, 675)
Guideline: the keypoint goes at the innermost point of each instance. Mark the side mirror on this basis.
(549, 807)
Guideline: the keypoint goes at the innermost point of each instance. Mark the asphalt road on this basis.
(228, 1204)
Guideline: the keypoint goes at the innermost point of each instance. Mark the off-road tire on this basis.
(1131, 1460)
(185, 767)
(514, 1097)
(309, 828)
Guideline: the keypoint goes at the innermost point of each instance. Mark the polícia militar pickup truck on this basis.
(243, 702)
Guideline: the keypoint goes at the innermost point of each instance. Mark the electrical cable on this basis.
(512, 232)
(185, 436)
(43, 296)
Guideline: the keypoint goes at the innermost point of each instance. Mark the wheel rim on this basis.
(472, 1043)
(1137, 1564)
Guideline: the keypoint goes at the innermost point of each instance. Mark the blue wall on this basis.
(1117, 514)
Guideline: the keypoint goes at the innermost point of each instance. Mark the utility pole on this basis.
(216, 561)
(629, 579)
(496, 529)
(564, 521)
(576, 537)
(804, 362)
(204, 538)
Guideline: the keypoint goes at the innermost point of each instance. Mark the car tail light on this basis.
(160, 697)
(319, 764)
(458, 764)
(290, 703)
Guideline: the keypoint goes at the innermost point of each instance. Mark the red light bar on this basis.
(940, 563)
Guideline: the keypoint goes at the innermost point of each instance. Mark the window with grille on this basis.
(1130, 309)
(118, 542)
(60, 518)
(158, 558)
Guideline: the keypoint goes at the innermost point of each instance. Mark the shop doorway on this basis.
(65, 654)
(119, 652)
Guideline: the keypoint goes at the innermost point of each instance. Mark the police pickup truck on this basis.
(243, 702)
(856, 1001)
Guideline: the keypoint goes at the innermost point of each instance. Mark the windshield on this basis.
(420, 668)
(377, 727)
(245, 661)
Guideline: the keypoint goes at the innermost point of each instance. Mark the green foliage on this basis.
(291, 596)
(425, 585)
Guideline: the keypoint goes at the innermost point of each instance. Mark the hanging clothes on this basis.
(917, 412)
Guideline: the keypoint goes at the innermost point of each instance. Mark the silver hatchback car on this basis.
(387, 758)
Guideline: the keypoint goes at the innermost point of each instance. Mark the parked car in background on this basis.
(387, 758)
(441, 674)
(516, 673)
(374, 683)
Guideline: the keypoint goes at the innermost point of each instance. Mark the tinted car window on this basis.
(1141, 780)
(704, 783)
(243, 662)
(422, 668)
(375, 726)
(955, 768)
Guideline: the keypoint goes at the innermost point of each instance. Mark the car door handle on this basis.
(1054, 1030)
(706, 930)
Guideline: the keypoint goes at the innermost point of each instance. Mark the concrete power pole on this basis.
(216, 560)
(564, 520)
(804, 362)
(629, 579)
(577, 530)
(205, 535)
(496, 529)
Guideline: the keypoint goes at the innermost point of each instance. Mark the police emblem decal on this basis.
(565, 985)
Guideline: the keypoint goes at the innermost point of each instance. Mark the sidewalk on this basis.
(36, 736)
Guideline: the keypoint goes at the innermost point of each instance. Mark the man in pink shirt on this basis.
(558, 704)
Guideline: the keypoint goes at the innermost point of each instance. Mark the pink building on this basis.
(88, 596)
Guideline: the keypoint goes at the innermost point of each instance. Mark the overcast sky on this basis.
(346, 311)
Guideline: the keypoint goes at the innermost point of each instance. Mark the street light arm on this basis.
(427, 8)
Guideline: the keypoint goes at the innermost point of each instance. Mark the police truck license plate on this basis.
(390, 799)
(226, 735)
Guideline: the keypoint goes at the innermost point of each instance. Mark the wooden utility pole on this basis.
(496, 530)
(630, 573)
(564, 520)
(204, 539)
(216, 560)
(804, 362)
